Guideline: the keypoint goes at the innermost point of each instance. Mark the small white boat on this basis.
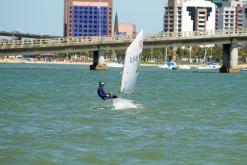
(115, 65)
(184, 67)
(209, 66)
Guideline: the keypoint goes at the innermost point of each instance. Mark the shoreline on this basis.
(20, 61)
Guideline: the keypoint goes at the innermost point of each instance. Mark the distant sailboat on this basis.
(211, 65)
(115, 63)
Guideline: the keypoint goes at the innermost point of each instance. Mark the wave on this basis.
(120, 104)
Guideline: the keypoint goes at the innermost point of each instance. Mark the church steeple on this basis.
(116, 30)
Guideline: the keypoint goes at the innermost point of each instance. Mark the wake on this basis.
(120, 104)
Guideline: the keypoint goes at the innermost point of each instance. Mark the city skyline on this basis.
(32, 16)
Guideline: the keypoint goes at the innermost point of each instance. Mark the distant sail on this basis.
(131, 65)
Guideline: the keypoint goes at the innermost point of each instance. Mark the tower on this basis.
(116, 29)
(170, 17)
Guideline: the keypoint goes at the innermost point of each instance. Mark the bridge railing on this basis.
(53, 42)
(96, 40)
(196, 34)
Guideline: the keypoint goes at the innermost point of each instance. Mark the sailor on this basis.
(102, 94)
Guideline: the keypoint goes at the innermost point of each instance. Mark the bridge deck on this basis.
(33, 46)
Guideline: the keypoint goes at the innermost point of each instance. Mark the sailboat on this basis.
(211, 65)
(130, 72)
(115, 63)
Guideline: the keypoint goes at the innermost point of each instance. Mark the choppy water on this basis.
(51, 115)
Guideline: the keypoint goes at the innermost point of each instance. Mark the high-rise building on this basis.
(218, 2)
(170, 18)
(87, 18)
(189, 15)
(231, 14)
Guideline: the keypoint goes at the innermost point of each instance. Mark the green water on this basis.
(51, 115)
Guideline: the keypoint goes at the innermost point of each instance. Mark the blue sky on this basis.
(46, 16)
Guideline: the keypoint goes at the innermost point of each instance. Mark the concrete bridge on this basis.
(99, 45)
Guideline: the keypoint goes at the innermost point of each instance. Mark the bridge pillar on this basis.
(230, 59)
(98, 61)
(152, 53)
(114, 56)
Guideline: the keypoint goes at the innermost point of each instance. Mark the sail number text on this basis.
(134, 59)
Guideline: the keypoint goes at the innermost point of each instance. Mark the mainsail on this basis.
(131, 65)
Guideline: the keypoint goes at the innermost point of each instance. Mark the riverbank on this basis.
(14, 60)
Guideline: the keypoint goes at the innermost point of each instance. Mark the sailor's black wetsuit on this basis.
(103, 95)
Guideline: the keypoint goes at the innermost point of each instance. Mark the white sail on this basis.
(131, 65)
